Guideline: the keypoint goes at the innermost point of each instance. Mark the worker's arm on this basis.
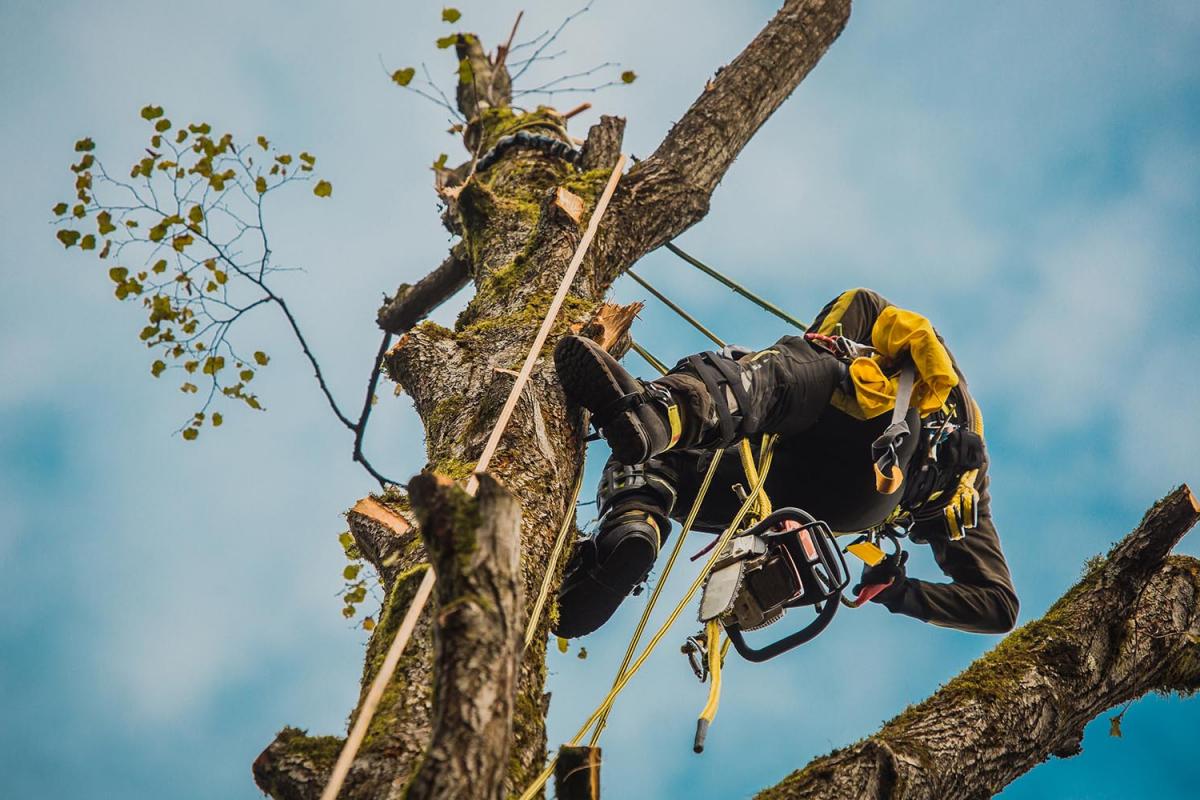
(980, 597)
(855, 310)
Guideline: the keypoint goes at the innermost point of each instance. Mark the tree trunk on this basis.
(520, 220)
(1130, 626)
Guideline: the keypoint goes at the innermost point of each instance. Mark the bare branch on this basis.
(670, 190)
(413, 303)
(1131, 626)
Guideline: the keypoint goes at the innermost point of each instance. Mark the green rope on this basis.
(766, 305)
(695, 322)
(648, 357)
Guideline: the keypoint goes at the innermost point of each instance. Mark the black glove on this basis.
(890, 569)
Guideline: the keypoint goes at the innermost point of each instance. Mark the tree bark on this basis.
(1130, 626)
(475, 543)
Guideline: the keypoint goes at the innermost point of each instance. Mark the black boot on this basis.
(603, 570)
(638, 420)
(635, 503)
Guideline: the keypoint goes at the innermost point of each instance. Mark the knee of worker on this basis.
(636, 487)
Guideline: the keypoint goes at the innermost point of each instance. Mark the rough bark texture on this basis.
(475, 543)
(516, 241)
(1130, 626)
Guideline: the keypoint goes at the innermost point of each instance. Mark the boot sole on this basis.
(588, 380)
(587, 601)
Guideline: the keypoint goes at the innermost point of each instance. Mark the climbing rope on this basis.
(350, 749)
(762, 303)
(674, 307)
(659, 584)
(735, 526)
(560, 542)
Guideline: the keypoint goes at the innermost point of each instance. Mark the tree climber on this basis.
(825, 394)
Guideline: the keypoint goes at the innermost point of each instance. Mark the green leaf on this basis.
(217, 419)
(67, 237)
(213, 365)
(79, 212)
(1114, 726)
(263, 143)
(441, 161)
(351, 571)
(260, 184)
(582, 655)
(246, 375)
(60, 209)
(118, 274)
(196, 214)
(345, 540)
(159, 267)
(104, 223)
(182, 241)
(368, 623)
(162, 125)
(628, 76)
(220, 277)
(88, 242)
(189, 388)
(451, 15)
(348, 612)
(84, 145)
(152, 112)
(147, 332)
(563, 644)
(465, 73)
(157, 368)
(403, 77)
(447, 41)
(323, 189)
(261, 358)
(190, 433)
(308, 158)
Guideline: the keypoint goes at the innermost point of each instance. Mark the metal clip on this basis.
(696, 650)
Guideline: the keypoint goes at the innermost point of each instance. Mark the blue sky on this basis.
(1027, 174)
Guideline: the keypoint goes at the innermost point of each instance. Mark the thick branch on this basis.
(413, 303)
(669, 191)
(383, 532)
(603, 144)
(1130, 626)
(475, 545)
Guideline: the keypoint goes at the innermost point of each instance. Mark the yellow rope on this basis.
(713, 641)
(735, 526)
(559, 542)
(658, 586)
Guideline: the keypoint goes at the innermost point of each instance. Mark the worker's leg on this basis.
(635, 504)
(706, 401)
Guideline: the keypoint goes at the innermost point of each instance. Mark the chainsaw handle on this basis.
(759, 654)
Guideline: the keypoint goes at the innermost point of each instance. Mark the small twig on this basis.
(579, 109)
(548, 41)
(360, 427)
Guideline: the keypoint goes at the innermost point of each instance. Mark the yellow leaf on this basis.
(261, 358)
(323, 189)
(263, 143)
(260, 184)
(152, 112)
(403, 77)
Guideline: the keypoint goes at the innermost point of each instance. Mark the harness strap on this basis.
(888, 475)
(717, 373)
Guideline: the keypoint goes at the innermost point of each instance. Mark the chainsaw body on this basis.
(788, 560)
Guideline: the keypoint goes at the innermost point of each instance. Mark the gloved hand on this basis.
(735, 351)
(890, 569)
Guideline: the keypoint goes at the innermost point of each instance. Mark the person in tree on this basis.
(826, 394)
